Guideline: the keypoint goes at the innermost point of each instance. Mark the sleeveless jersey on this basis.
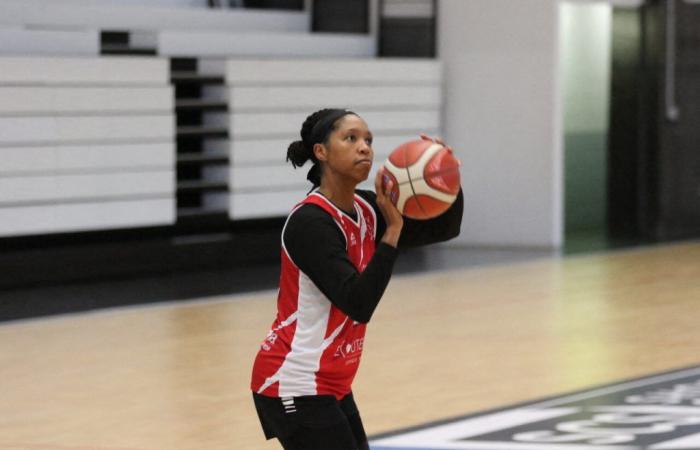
(313, 348)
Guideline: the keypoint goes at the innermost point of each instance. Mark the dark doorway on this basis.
(654, 162)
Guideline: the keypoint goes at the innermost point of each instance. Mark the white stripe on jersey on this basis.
(297, 374)
(372, 211)
(288, 321)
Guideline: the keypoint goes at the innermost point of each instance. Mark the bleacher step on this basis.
(201, 186)
(194, 77)
(202, 158)
(200, 105)
(198, 131)
(201, 212)
(115, 49)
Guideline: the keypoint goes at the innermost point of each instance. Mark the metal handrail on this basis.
(672, 109)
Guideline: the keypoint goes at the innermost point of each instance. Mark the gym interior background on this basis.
(143, 142)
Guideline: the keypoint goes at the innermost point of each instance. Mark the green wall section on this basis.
(585, 46)
(585, 168)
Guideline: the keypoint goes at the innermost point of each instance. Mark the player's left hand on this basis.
(441, 142)
(392, 216)
(436, 140)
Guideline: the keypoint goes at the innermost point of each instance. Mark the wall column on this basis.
(503, 117)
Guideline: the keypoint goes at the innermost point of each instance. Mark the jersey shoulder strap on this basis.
(319, 200)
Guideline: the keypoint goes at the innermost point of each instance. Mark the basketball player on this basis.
(338, 250)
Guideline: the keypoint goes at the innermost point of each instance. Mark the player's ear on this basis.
(320, 152)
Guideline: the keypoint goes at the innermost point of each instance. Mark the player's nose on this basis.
(364, 148)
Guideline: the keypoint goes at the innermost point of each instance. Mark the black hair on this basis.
(316, 129)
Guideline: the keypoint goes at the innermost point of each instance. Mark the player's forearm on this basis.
(391, 235)
(359, 294)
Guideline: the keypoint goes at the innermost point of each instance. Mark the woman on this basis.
(338, 250)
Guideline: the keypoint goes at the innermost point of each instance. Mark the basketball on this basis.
(425, 177)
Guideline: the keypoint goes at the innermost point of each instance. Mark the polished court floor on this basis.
(442, 344)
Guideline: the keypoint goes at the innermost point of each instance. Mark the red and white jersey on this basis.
(313, 348)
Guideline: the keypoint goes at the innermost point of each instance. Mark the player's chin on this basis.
(362, 171)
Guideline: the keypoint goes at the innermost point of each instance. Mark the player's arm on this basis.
(317, 247)
(444, 227)
(423, 232)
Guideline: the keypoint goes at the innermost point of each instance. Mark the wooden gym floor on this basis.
(442, 344)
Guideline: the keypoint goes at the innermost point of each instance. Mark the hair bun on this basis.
(298, 153)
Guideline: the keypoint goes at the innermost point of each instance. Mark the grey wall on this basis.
(503, 116)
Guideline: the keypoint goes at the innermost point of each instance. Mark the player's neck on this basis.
(341, 195)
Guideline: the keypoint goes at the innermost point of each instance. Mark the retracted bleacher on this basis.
(184, 144)
(269, 100)
(85, 143)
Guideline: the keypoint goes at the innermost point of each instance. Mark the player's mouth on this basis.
(364, 162)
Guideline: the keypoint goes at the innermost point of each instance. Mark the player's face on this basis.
(349, 148)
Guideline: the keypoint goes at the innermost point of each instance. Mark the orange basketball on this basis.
(425, 178)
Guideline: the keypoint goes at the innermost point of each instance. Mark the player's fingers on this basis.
(378, 181)
(387, 187)
(434, 139)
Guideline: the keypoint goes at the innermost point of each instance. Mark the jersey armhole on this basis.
(284, 229)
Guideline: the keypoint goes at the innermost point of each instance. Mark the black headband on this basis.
(319, 133)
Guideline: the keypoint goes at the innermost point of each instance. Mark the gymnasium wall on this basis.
(525, 81)
(503, 116)
(585, 65)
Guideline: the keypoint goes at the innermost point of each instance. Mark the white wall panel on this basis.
(17, 130)
(29, 220)
(265, 124)
(272, 177)
(272, 151)
(182, 43)
(257, 180)
(85, 144)
(395, 71)
(265, 204)
(270, 99)
(148, 17)
(48, 99)
(17, 190)
(257, 152)
(49, 42)
(58, 158)
(123, 71)
(352, 97)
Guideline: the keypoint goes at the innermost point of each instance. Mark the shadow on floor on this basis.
(85, 296)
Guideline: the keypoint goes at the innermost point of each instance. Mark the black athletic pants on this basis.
(317, 422)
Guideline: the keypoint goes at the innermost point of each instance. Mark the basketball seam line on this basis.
(410, 181)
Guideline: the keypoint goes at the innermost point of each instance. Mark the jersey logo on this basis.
(346, 349)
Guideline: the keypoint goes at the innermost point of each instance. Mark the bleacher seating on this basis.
(89, 142)
(251, 44)
(269, 99)
(90, 15)
(85, 143)
(21, 41)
